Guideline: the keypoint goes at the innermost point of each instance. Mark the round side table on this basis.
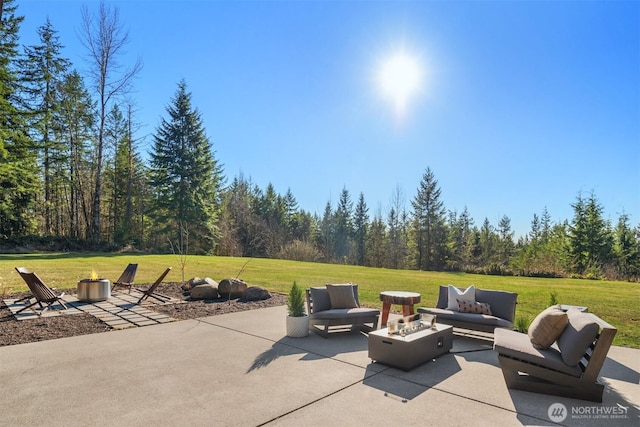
(405, 299)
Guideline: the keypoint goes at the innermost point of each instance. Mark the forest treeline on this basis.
(73, 178)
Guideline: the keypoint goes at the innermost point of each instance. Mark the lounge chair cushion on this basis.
(320, 297)
(473, 307)
(345, 313)
(547, 327)
(517, 345)
(579, 334)
(455, 294)
(481, 319)
(341, 296)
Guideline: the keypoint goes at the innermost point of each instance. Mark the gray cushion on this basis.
(547, 327)
(503, 303)
(346, 313)
(342, 296)
(320, 298)
(579, 334)
(482, 319)
(518, 345)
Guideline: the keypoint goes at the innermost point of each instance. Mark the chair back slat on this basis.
(37, 287)
(128, 275)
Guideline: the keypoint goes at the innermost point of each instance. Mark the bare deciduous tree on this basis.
(105, 39)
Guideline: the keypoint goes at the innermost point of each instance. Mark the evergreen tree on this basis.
(376, 239)
(343, 226)
(506, 240)
(429, 224)
(18, 169)
(327, 233)
(360, 225)
(397, 231)
(75, 127)
(589, 236)
(43, 70)
(627, 249)
(185, 176)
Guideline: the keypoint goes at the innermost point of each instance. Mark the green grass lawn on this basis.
(616, 302)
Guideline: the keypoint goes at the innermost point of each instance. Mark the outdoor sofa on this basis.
(485, 311)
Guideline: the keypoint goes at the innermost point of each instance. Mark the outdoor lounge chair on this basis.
(40, 292)
(338, 307)
(568, 368)
(126, 278)
(150, 292)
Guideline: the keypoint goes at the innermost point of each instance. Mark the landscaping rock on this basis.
(205, 291)
(256, 293)
(232, 288)
(186, 287)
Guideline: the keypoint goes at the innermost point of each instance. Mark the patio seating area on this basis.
(241, 369)
(120, 311)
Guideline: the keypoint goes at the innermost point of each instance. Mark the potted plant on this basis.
(297, 320)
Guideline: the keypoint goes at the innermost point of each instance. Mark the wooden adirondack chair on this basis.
(127, 277)
(150, 292)
(40, 293)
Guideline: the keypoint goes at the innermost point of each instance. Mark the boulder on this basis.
(256, 293)
(186, 287)
(232, 288)
(205, 291)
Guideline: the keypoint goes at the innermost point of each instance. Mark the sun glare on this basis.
(400, 78)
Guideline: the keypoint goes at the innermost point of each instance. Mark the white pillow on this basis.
(455, 294)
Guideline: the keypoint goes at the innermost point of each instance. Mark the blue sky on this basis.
(522, 104)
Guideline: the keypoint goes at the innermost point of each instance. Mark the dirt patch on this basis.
(14, 332)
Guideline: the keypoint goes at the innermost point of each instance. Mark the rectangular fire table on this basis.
(407, 352)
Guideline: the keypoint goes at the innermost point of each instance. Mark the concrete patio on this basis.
(240, 370)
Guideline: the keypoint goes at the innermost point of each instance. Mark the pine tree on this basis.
(43, 70)
(429, 224)
(344, 226)
(185, 176)
(75, 128)
(360, 225)
(18, 178)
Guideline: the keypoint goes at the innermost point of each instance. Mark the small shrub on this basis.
(553, 298)
(295, 302)
(521, 324)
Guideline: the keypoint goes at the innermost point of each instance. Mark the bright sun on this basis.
(400, 78)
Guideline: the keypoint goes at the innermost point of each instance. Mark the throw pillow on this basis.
(580, 332)
(342, 296)
(455, 294)
(320, 298)
(474, 307)
(547, 327)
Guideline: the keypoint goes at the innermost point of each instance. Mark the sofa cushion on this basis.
(341, 296)
(346, 313)
(454, 294)
(547, 327)
(473, 307)
(579, 334)
(515, 344)
(444, 315)
(320, 298)
(503, 303)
